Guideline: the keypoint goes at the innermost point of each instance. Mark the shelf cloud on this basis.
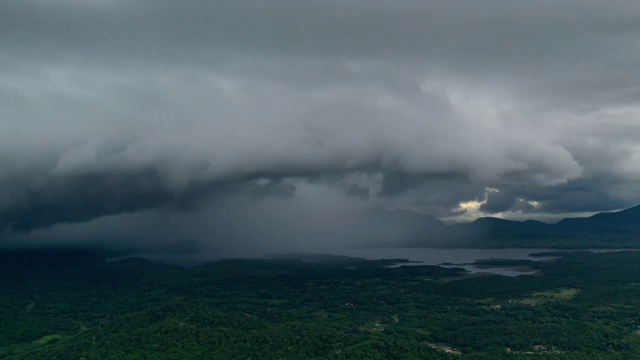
(117, 109)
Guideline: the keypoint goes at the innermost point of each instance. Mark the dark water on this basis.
(429, 256)
(421, 256)
(457, 257)
(462, 257)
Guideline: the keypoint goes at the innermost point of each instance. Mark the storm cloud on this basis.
(115, 110)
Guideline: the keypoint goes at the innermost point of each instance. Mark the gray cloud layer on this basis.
(114, 107)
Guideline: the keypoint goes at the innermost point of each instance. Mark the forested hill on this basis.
(581, 306)
(604, 230)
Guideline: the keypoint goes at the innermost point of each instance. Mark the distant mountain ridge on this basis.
(603, 230)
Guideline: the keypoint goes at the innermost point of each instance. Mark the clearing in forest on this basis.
(550, 295)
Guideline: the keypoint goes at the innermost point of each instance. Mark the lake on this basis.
(461, 257)
(420, 256)
(457, 257)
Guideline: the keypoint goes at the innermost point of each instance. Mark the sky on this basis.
(279, 123)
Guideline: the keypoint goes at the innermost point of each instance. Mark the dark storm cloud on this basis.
(80, 198)
(498, 201)
(395, 183)
(29, 205)
(587, 195)
(115, 107)
(576, 196)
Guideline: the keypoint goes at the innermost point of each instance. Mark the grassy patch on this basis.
(551, 295)
(48, 339)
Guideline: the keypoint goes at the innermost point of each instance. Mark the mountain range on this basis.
(604, 230)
